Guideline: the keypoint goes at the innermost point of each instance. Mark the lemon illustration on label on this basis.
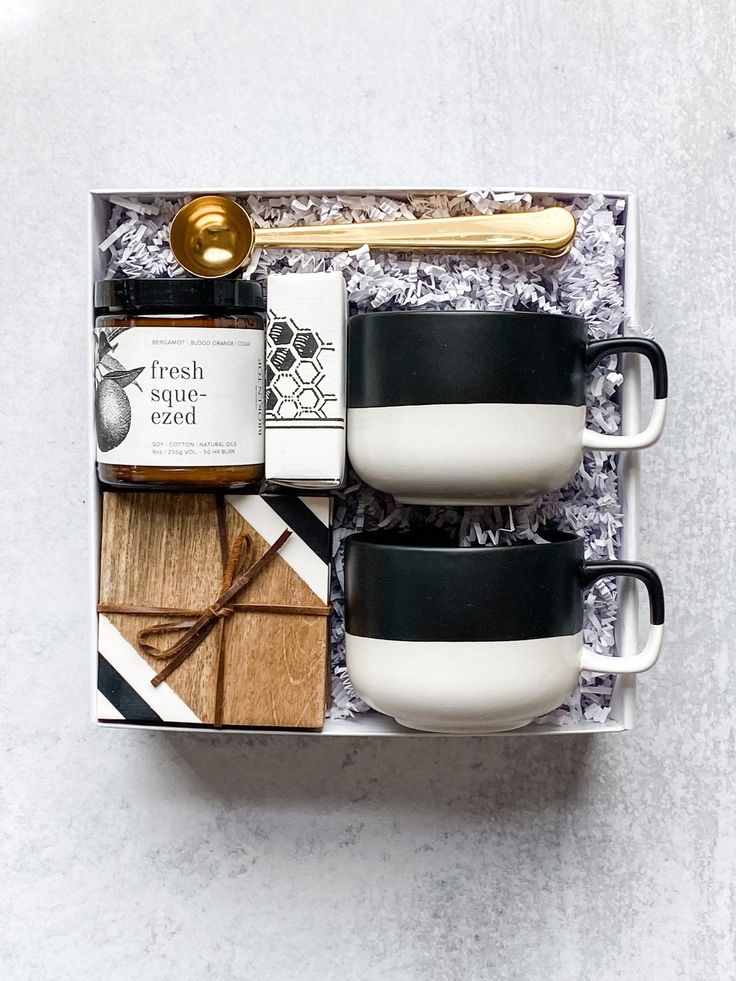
(112, 410)
(112, 405)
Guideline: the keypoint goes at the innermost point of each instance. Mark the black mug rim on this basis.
(543, 316)
(420, 540)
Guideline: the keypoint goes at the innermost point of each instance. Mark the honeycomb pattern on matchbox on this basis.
(295, 372)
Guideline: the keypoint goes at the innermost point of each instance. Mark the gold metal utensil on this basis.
(212, 236)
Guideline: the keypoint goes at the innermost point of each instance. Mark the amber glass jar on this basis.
(179, 383)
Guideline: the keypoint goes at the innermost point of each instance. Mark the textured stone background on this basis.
(142, 855)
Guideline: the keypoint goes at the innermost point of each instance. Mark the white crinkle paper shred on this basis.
(586, 283)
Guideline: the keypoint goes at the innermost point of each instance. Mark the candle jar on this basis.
(179, 383)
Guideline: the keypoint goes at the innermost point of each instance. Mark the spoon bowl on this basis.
(212, 236)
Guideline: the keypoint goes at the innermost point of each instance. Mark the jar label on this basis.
(179, 396)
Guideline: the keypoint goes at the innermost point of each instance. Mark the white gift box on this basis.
(621, 716)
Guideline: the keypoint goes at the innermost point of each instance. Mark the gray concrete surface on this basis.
(135, 855)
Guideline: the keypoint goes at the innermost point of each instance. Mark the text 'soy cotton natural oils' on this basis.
(179, 383)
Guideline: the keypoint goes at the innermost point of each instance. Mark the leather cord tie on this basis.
(197, 624)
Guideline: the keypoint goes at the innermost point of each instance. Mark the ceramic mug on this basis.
(473, 640)
(473, 407)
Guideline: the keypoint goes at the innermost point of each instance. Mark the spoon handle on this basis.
(547, 232)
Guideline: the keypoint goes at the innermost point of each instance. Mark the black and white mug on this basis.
(472, 640)
(474, 407)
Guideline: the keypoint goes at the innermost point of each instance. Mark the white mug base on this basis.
(464, 501)
(489, 453)
(464, 686)
(427, 725)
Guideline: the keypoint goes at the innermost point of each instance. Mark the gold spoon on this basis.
(213, 236)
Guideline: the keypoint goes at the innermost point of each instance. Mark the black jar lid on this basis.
(144, 296)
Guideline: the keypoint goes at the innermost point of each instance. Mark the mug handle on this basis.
(596, 351)
(647, 656)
